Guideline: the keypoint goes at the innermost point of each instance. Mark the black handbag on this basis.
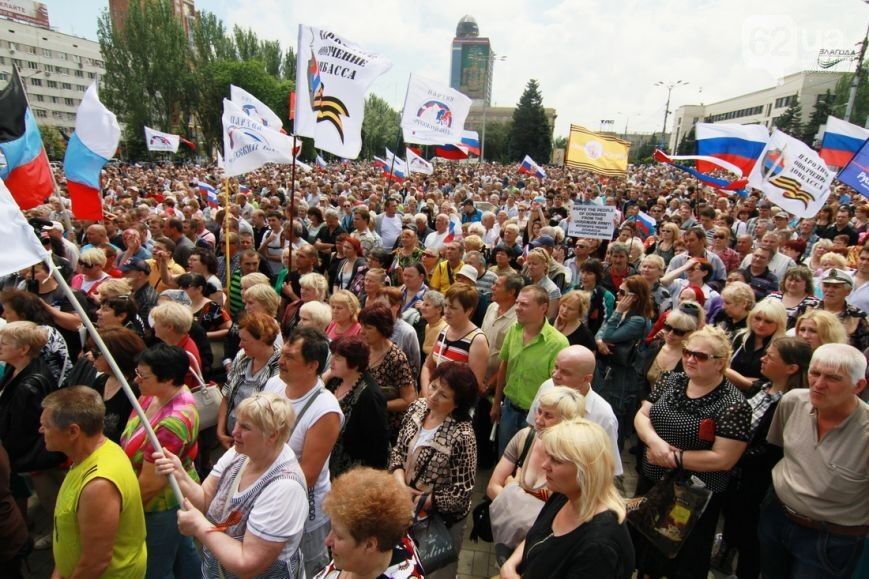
(482, 524)
(433, 539)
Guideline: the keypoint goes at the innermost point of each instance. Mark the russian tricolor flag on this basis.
(210, 194)
(93, 143)
(453, 152)
(397, 174)
(24, 166)
(737, 184)
(739, 145)
(529, 167)
(841, 142)
(645, 225)
(471, 140)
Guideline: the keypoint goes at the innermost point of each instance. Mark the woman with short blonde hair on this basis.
(766, 321)
(819, 327)
(345, 313)
(261, 297)
(572, 309)
(315, 315)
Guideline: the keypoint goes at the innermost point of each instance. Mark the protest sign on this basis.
(592, 221)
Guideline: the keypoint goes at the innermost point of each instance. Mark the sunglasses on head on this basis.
(699, 356)
(675, 331)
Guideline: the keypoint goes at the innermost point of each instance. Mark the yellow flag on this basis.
(598, 153)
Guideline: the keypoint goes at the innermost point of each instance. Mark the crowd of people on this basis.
(377, 346)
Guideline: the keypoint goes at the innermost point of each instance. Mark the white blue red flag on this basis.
(210, 194)
(94, 142)
(739, 145)
(395, 168)
(841, 142)
(738, 183)
(248, 144)
(471, 140)
(452, 152)
(321, 162)
(529, 167)
(645, 224)
(21, 247)
(162, 142)
(433, 114)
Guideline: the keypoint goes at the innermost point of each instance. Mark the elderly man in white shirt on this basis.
(574, 368)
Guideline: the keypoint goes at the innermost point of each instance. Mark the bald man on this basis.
(574, 368)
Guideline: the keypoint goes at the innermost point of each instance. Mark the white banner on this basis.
(416, 164)
(332, 76)
(434, 114)
(159, 141)
(21, 248)
(248, 144)
(792, 175)
(592, 221)
(254, 108)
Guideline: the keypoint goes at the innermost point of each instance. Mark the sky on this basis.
(593, 59)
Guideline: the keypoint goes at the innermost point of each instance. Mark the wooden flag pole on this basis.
(226, 233)
(292, 205)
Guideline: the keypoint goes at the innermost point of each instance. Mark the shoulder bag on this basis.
(207, 397)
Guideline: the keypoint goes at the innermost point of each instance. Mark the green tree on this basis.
(270, 54)
(531, 133)
(560, 143)
(211, 40)
(379, 127)
(642, 153)
(688, 144)
(55, 144)
(861, 103)
(823, 108)
(246, 43)
(148, 78)
(498, 141)
(790, 121)
(288, 69)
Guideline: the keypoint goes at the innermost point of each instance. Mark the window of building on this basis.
(39, 98)
(66, 86)
(51, 83)
(63, 56)
(46, 52)
(92, 75)
(36, 82)
(79, 74)
(68, 102)
(32, 65)
(4, 75)
(55, 100)
(41, 113)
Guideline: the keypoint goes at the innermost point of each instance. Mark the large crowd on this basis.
(329, 364)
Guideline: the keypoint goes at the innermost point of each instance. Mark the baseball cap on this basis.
(543, 241)
(780, 213)
(54, 225)
(469, 271)
(467, 202)
(136, 265)
(836, 275)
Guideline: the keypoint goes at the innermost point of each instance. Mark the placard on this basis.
(592, 221)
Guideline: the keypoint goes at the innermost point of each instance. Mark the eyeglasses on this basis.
(141, 376)
(719, 237)
(85, 265)
(699, 356)
(675, 331)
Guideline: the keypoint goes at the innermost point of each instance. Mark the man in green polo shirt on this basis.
(527, 359)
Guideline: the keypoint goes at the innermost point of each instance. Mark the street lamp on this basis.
(669, 88)
(490, 64)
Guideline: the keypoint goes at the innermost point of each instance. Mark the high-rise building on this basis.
(56, 68)
(185, 10)
(470, 71)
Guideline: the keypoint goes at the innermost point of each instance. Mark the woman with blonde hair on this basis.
(581, 530)
(664, 353)
(537, 264)
(767, 320)
(345, 312)
(571, 311)
(819, 249)
(313, 287)
(113, 288)
(665, 246)
(518, 486)
(819, 327)
(737, 299)
(91, 264)
(315, 315)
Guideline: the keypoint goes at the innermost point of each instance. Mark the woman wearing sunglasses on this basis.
(698, 419)
(664, 354)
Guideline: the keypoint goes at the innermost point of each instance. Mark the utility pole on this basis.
(669, 88)
(858, 77)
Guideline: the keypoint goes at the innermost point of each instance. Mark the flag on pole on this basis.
(453, 152)
(471, 140)
(596, 152)
(645, 225)
(219, 161)
(94, 142)
(210, 194)
(21, 247)
(159, 141)
(394, 167)
(841, 141)
(738, 145)
(434, 114)
(23, 162)
(332, 75)
(416, 164)
(738, 183)
(248, 144)
(321, 162)
(529, 167)
(792, 176)
(255, 108)
(856, 172)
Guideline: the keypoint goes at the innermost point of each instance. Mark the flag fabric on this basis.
(739, 145)
(451, 232)
(471, 140)
(321, 162)
(529, 167)
(23, 162)
(332, 75)
(187, 143)
(792, 176)
(596, 152)
(841, 141)
(645, 225)
(292, 113)
(159, 141)
(433, 114)
(255, 108)
(219, 161)
(248, 144)
(210, 194)
(395, 168)
(416, 164)
(94, 142)
(452, 152)
(736, 184)
(21, 247)
(856, 173)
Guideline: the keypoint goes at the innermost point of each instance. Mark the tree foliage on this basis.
(823, 109)
(498, 141)
(688, 144)
(531, 133)
(379, 127)
(860, 114)
(55, 144)
(791, 121)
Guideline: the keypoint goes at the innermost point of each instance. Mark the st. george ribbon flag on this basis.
(248, 144)
(94, 142)
(255, 108)
(434, 114)
(159, 141)
(333, 74)
(792, 175)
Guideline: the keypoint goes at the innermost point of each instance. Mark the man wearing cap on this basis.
(815, 519)
(71, 253)
(138, 273)
(445, 272)
(837, 285)
(470, 214)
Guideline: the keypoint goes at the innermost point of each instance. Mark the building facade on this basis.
(56, 69)
(759, 107)
(471, 62)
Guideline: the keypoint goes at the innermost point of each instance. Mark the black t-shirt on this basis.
(600, 548)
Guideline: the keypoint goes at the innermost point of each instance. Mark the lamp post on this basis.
(669, 88)
(490, 64)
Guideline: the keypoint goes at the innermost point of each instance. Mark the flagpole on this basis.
(392, 163)
(226, 233)
(292, 204)
(119, 376)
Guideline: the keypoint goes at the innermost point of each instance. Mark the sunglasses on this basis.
(719, 237)
(674, 331)
(699, 356)
(86, 265)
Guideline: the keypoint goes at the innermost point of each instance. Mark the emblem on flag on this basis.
(326, 108)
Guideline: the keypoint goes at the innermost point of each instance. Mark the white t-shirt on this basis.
(279, 513)
(435, 240)
(390, 228)
(597, 410)
(322, 405)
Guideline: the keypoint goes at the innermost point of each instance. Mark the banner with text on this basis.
(592, 221)
(434, 114)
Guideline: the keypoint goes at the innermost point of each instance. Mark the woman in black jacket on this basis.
(364, 437)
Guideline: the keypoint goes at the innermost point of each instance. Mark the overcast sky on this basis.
(594, 59)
